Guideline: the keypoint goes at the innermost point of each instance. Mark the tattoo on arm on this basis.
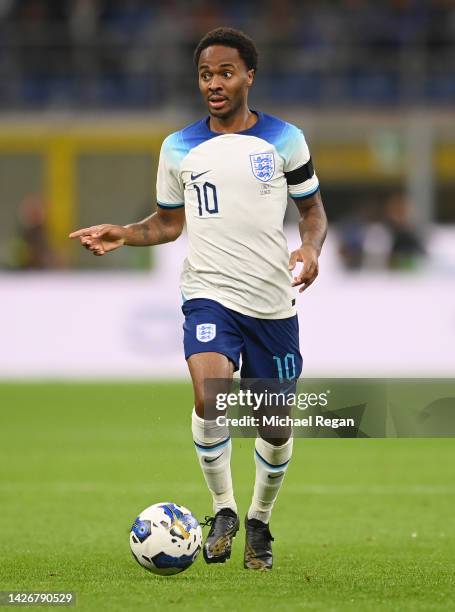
(313, 222)
(145, 232)
(155, 229)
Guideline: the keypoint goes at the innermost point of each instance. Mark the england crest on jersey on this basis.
(263, 166)
(205, 332)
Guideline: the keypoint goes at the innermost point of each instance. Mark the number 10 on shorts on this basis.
(285, 366)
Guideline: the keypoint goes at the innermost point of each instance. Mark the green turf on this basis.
(360, 524)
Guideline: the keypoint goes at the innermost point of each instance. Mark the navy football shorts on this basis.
(269, 347)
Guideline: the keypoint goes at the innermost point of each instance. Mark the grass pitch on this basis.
(359, 524)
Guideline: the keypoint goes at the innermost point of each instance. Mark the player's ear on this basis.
(250, 77)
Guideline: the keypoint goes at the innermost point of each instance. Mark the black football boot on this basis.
(258, 547)
(223, 527)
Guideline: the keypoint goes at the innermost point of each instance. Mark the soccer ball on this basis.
(165, 539)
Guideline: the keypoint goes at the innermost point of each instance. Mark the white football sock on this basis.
(213, 448)
(271, 465)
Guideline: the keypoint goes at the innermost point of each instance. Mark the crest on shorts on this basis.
(263, 166)
(205, 332)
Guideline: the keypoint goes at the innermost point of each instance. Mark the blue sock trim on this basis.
(271, 465)
(209, 447)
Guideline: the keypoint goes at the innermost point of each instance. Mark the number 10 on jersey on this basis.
(207, 199)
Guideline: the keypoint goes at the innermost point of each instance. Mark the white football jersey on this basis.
(234, 188)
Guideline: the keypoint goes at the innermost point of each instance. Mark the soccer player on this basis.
(228, 176)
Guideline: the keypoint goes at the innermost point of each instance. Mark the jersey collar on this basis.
(249, 132)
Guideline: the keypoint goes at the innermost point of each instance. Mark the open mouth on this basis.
(217, 102)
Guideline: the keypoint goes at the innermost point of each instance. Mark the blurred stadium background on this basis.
(91, 87)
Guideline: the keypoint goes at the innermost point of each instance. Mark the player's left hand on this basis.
(308, 256)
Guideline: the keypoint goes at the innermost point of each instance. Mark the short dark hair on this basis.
(228, 37)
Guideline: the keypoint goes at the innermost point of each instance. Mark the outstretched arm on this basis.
(313, 230)
(165, 225)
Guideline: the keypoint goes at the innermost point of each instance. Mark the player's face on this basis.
(224, 80)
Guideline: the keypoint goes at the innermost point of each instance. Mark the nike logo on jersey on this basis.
(207, 460)
(276, 475)
(196, 176)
